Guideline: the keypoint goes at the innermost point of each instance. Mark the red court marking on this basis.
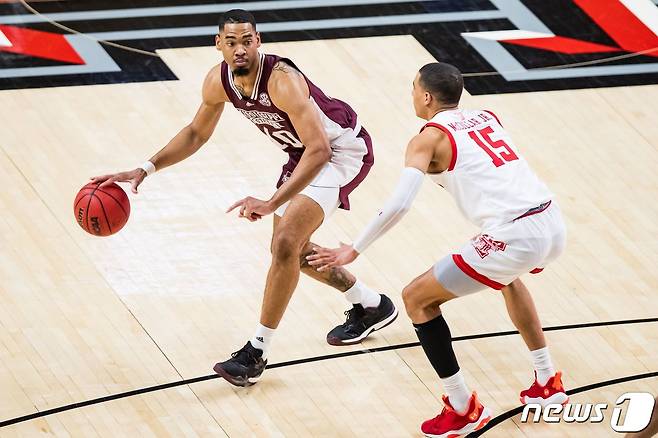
(621, 24)
(562, 45)
(40, 44)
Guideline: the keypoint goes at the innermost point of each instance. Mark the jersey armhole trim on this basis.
(453, 160)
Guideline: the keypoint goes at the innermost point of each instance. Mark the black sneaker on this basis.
(361, 322)
(244, 367)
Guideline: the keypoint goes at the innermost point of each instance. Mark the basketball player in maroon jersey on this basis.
(329, 154)
(470, 155)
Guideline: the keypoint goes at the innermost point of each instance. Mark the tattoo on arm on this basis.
(282, 67)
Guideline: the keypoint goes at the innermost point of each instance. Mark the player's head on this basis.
(437, 85)
(238, 41)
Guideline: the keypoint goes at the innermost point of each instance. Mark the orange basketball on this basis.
(101, 211)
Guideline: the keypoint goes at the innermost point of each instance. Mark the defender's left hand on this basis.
(325, 258)
(252, 208)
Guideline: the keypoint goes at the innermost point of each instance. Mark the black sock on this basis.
(434, 336)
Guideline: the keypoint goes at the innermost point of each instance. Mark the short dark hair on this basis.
(236, 16)
(444, 81)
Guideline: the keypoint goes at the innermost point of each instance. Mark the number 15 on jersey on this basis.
(499, 151)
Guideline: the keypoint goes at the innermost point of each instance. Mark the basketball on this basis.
(101, 211)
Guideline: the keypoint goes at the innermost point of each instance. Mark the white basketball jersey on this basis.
(490, 181)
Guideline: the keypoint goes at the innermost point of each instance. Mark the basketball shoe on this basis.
(552, 392)
(362, 321)
(244, 367)
(450, 423)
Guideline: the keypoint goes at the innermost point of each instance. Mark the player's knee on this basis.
(410, 299)
(284, 247)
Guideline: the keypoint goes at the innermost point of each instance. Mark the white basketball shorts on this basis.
(348, 167)
(324, 190)
(497, 256)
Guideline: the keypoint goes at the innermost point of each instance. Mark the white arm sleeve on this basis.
(394, 209)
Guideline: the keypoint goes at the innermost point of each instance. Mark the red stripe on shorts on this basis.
(468, 270)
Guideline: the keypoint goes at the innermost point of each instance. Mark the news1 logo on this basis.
(638, 409)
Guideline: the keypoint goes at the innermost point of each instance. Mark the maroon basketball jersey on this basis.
(274, 122)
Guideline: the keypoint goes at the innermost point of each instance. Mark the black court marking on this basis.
(346, 354)
(513, 412)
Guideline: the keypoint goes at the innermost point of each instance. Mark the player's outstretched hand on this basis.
(252, 208)
(134, 177)
(325, 258)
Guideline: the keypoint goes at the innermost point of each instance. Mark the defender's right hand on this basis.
(134, 177)
(324, 258)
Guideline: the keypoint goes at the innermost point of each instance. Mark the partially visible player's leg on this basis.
(547, 387)
(463, 412)
(522, 312)
(370, 310)
(302, 217)
(337, 277)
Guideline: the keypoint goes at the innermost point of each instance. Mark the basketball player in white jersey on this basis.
(329, 155)
(469, 154)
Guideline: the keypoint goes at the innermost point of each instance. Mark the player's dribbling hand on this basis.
(252, 209)
(325, 258)
(134, 177)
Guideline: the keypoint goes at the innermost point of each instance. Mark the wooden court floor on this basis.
(179, 288)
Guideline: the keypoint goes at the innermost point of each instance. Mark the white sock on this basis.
(362, 294)
(262, 339)
(541, 360)
(458, 393)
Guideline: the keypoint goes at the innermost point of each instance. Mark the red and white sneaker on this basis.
(451, 424)
(552, 392)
